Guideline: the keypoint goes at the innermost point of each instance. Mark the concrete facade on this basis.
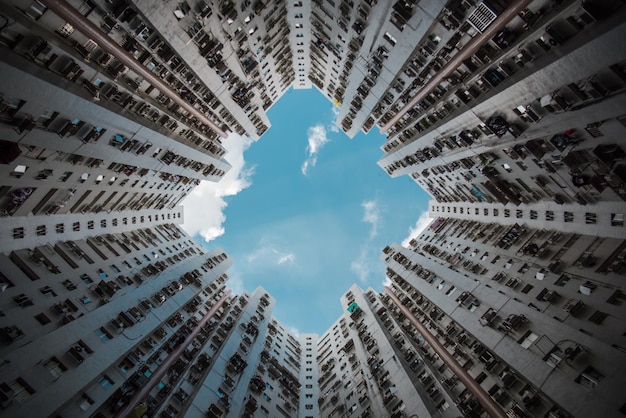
(108, 308)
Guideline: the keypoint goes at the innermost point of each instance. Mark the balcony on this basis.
(236, 363)
(489, 317)
(10, 334)
(513, 323)
(574, 307)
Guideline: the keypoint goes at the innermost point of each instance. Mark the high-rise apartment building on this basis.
(368, 369)
(510, 114)
(517, 136)
(533, 315)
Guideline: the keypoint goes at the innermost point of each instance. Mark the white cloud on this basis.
(235, 283)
(316, 140)
(287, 258)
(294, 331)
(362, 265)
(269, 254)
(387, 282)
(334, 124)
(422, 222)
(204, 206)
(371, 216)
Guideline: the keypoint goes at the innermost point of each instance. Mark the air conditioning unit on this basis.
(554, 360)
(549, 39)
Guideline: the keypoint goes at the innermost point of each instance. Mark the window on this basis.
(18, 232)
(562, 280)
(23, 301)
(36, 10)
(617, 219)
(42, 318)
(598, 317)
(617, 298)
(104, 334)
(106, 382)
(86, 279)
(19, 390)
(59, 228)
(47, 290)
(390, 38)
(590, 378)
(76, 226)
(55, 367)
(527, 288)
(41, 230)
(481, 377)
(85, 402)
(527, 340)
(69, 285)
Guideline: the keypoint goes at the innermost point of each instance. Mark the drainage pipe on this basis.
(171, 359)
(490, 406)
(89, 29)
(467, 51)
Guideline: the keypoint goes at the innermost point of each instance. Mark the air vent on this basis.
(482, 17)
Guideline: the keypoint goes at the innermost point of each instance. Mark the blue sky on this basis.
(305, 211)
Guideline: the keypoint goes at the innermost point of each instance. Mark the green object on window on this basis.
(353, 307)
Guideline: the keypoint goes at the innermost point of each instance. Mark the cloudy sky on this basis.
(305, 212)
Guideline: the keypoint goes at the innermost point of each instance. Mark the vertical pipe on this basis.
(490, 406)
(173, 356)
(90, 30)
(468, 50)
